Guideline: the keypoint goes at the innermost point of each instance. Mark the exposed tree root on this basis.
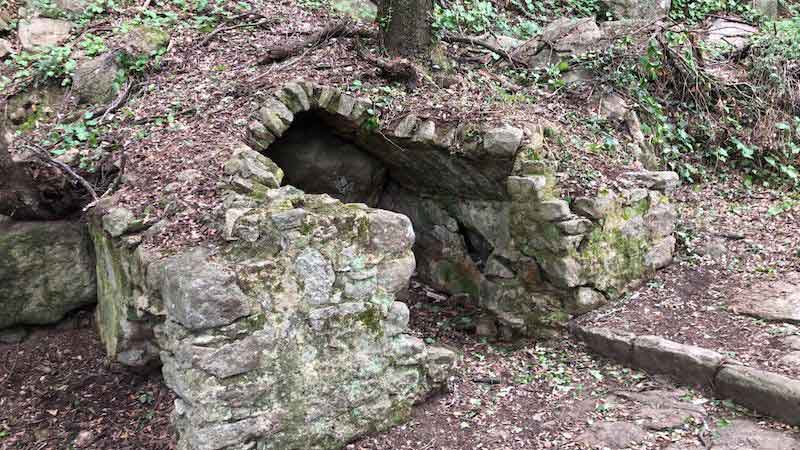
(400, 70)
(338, 29)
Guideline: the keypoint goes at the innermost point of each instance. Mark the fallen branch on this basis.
(338, 29)
(118, 101)
(454, 38)
(47, 159)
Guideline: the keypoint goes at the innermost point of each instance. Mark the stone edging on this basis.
(766, 392)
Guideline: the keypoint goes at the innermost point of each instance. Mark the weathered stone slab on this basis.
(686, 363)
(744, 434)
(777, 300)
(612, 435)
(613, 344)
(765, 392)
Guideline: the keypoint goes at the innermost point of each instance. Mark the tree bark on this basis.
(406, 26)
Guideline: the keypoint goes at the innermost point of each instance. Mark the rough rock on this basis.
(46, 270)
(118, 221)
(5, 48)
(144, 40)
(725, 36)
(664, 181)
(793, 342)
(613, 344)
(687, 363)
(562, 38)
(42, 32)
(639, 9)
(791, 359)
(612, 435)
(93, 79)
(502, 141)
(743, 434)
(765, 392)
(767, 7)
(775, 300)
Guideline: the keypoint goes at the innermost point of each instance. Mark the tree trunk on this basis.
(406, 26)
(23, 197)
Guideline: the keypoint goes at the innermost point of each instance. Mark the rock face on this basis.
(289, 336)
(46, 270)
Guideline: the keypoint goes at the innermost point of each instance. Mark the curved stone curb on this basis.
(766, 392)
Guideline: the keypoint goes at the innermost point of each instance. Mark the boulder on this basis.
(46, 270)
(93, 79)
(561, 39)
(773, 300)
(42, 32)
(724, 36)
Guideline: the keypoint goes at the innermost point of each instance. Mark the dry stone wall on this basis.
(487, 213)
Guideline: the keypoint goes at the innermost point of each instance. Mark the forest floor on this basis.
(57, 391)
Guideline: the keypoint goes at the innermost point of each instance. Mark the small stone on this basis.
(587, 299)
(84, 439)
(275, 116)
(660, 254)
(316, 275)
(405, 129)
(503, 141)
(613, 435)
(596, 208)
(575, 226)
(660, 220)
(346, 104)
(5, 48)
(93, 80)
(389, 231)
(117, 221)
(426, 132)
(295, 97)
(527, 188)
(552, 210)
(563, 271)
(665, 181)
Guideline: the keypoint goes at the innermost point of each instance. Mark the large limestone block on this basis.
(42, 32)
(46, 270)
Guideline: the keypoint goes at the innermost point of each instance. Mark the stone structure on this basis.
(487, 214)
(287, 337)
(46, 270)
(289, 334)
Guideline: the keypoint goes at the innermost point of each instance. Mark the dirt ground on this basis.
(731, 240)
(57, 391)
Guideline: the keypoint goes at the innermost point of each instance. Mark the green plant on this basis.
(468, 16)
(49, 64)
(93, 45)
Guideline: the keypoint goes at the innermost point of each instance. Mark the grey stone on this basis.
(41, 32)
(765, 392)
(660, 220)
(616, 345)
(117, 221)
(639, 9)
(395, 274)
(687, 363)
(660, 254)
(552, 210)
(405, 128)
(612, 435)
(527, 188)
(503, 141)
(575, 226)
(390, 231)
(793, 342)
(317, 277)
(724, 36)
(586, 299)
(665, 181)
(397, 319)
(144, 40)
(612, 107)
(199, 293)
(46, 270)
(564, 271)
(253, 166)
(275, 116)
(767, 7)
(662, 419)
(296, 97)
(5, 48)
(561, 39)
(777, 300)
(426, 132)
(598, 207)
(742, 434)
(94, 79)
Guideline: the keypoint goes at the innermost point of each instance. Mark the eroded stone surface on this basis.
(776, 300)
(46, 270)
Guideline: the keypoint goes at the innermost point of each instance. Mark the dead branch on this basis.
(338, 29)
(118, 101)
(454, 38)
(45, 157)
(400, 70)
